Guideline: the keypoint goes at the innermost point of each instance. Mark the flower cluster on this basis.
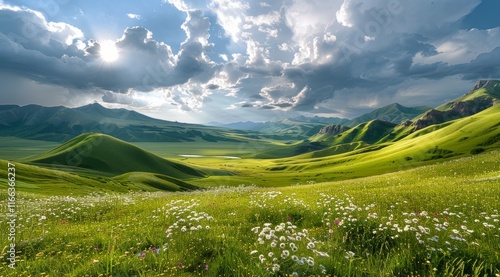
(283, 248)
(185, 218)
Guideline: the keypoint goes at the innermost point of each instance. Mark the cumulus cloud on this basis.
(366, 46)
(295, 56)
(58, 53)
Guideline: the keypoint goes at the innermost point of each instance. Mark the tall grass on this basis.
(439, 220)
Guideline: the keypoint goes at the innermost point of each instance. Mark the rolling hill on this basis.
(369, 132)
(109, 155)
(459, 138)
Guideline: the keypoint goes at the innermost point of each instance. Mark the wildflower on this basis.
(262, 258)
(323, 269)
(253, 252)
(282, 245)
(95, 261)
(276, 267)
(206, 267)
(179, 264)
(349, 255)
(311, 245)
(310, 261)
(285, 254)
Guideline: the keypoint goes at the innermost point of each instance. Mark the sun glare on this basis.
(109, 52)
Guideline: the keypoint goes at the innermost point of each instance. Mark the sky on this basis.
(199, 61)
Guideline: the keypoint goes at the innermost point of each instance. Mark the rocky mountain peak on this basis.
(333, 129)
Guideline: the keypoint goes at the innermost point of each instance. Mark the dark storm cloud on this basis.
(485, 66)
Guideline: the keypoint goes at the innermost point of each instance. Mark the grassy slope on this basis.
(34, 179)
(430, 145)
(491, 91)
(459, 137)
(363, 216)
(107, 154)
(370, 132)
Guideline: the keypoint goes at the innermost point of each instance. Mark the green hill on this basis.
(369, 132)
(459, 138)
(110, 155)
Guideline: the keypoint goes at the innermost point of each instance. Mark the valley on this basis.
(417, 176)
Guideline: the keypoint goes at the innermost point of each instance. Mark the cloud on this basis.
(301, 56)
(367, 46)
(58, 53)
(133, 16)
(129, 99)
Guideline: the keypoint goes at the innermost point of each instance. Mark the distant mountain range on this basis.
(302, 127)
(298, 127)
(61, 124)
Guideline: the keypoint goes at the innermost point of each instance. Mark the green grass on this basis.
(459, 138)
(436, 220)
(16, 148)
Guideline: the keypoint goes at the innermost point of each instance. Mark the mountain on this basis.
(377, 133)
(62, 123)
(297, 127)
(109, 155)
(394, 113)
(333, 130)
(483, 95)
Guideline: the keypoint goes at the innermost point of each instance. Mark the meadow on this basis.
(433, 220)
